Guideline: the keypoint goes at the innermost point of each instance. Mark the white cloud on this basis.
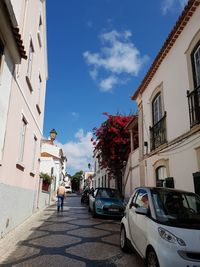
(78, 153)
(108, 83)
(170, 5)
(118, 56)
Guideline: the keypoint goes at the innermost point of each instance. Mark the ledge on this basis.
(20, 166)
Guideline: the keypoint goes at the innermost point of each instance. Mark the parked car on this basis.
(106, 202)
(68, 189)
(163, 226)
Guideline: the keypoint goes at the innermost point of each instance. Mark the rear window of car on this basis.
(108, 193)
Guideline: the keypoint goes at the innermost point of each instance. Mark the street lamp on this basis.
(89, 166)
(53, 134)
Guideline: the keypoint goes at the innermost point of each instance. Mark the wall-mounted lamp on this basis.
(53, 135)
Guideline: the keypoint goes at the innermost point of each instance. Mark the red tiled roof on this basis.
(169, 42)
(17, 36)
(19, 42)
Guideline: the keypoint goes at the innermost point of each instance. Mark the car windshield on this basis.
(108, 193)
(177, 208)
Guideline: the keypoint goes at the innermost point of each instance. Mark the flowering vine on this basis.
(112, 143)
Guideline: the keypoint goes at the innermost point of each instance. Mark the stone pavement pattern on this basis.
(71, 238)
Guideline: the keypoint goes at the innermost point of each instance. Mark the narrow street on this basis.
(71, 238)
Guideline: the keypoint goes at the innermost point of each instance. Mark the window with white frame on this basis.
(161, 174)
(39, 34)
(196, 65)
(157, 108)
(22, 139)
(39, 93)
(30, 60)
(34, 152)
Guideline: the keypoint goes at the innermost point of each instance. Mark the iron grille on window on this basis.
(158, 133)
(194, 106)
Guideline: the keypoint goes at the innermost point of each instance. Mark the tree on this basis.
(75, 180)
(112, 144)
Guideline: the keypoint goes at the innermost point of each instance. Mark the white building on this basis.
(101, 177)
(169, 109)
(53, 162)
(23, 75)
(131, 172)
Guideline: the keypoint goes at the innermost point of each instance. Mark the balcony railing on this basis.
(194, 106)
(158, 133)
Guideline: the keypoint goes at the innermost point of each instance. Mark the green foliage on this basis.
(75, 180)
(46, 178)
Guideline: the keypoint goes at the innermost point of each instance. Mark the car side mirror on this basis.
(142, 210)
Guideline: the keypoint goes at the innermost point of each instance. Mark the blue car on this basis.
(106, 202)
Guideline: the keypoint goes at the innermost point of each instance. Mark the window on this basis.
(157, 108)
(158, 129)
(140, 199)
(198, 157)
(22, 139)
(161, 174)
(195, 57)
(39, 93)
(30, 60)
(34, 152)
(39, 34)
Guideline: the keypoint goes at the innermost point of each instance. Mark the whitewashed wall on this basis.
(174, 77)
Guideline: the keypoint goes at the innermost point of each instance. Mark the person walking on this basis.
(61, 195)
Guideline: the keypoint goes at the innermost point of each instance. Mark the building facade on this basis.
(130, 172)
(169, 109)
(53, 162)
(23, 75)
(101, 177)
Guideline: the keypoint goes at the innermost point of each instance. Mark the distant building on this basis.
(53, 162)
(87, 180)
(23, 75)
(101, 177)
(169, 109)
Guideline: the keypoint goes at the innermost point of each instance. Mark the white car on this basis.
(163, 226)
(68, 189)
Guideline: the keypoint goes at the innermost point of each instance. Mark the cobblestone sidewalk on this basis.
(9, 243)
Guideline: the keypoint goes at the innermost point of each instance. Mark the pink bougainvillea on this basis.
(112, 143)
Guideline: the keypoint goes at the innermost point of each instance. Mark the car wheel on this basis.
(94, 215)
(152, 260)
(123, 240)
(89, 209)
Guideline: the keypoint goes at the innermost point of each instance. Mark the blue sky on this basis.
(98, 53)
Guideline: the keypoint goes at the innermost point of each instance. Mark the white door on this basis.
(138, 222)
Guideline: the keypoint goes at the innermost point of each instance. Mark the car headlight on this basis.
(99, 204)
(166, 235)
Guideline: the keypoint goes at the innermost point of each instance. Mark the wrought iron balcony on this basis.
(194, 106)
(158, 133)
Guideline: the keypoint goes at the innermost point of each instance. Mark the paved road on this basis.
(73, 239)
